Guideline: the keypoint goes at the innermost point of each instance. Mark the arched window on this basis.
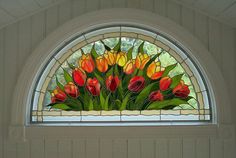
(121, 74)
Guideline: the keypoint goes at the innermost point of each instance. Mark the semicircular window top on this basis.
(120, 75)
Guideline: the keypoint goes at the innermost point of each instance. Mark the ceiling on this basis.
(13, 10)
(222, 10)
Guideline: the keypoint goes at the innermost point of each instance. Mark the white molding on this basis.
(40, 55)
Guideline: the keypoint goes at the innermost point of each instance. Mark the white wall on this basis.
(18, 40)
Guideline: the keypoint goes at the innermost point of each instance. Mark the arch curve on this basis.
(90, 21)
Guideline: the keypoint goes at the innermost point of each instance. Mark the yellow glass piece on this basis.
(51, 113)
(121, 58)
(90, 113)
(129, 34)
(146, 38)
(110, 113)
(65, 56)
(54, 69)
(200, 100)
(128, 112)
(70, 113)
(175, 55)
(112, 34)
(78, 46)
(170, 112)
(195, 84)
(45, 84)
(150, 112)
(189, 112)
(95, 38)
(162, 45)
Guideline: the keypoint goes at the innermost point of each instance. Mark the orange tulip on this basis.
(102, 64)
(141, 60)
(110, 57)
(121, 58)
(86, 63)
(129, 67)
(154, 70)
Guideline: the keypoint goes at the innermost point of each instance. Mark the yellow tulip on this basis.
(102, 64)
(154, 70)
(129, 67)
(141, 60)
(110, 57)
(121, 58)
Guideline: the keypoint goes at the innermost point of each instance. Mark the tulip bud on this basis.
(129, 67)
(136, 84)
(181, 90)
(102, 64)
(86, 63)
(93, 86)
(141, 60)
(79, 76)
(165, 83)
(58, 95)
(121, 59)
(156, 96)
(72, 90)
(110, 57)
(112, 83)
(155, 71)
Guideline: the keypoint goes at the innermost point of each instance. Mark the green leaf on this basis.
(175, 80)
(59, 84)
(90, 105)
(117, 47)
(153, 58)
(162, 104)
(110, 71)
(168, 69)
(100, 79)
(102, 101)
(93, 52)
(106, 102)
(71, 65)
(61, 106)
(144, 94)
(106, 47)
(129, 54)
(124, 102)
(67, 76)
(140, 48)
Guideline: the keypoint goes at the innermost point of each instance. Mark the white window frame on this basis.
(20, 127)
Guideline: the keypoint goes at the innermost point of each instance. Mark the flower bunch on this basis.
(117, 80)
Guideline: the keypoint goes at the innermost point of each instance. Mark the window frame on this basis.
(19, 126)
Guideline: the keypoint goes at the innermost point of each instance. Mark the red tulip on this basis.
(165, 83)
(86, 63)
(181, 90)
(58, 95)
(112, 83)
(136, 84)
(93, 86)
(156, 96)
(72, 90)
(79, 76)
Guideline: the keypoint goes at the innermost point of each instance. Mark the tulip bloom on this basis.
(181, 90)
(154, 70)
(141, 60)
(112, 83)
(165, 83)
(71, 89)
(156, 96)
(136, 84)
(129, 67)
(86, 63)
(79, 76)
(110, 57)
(93, 86)
(121, 58)
(102, 64)
(58, 95)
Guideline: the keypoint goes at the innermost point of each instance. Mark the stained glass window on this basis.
(120, 74)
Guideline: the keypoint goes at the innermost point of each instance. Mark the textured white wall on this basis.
(18, 40)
